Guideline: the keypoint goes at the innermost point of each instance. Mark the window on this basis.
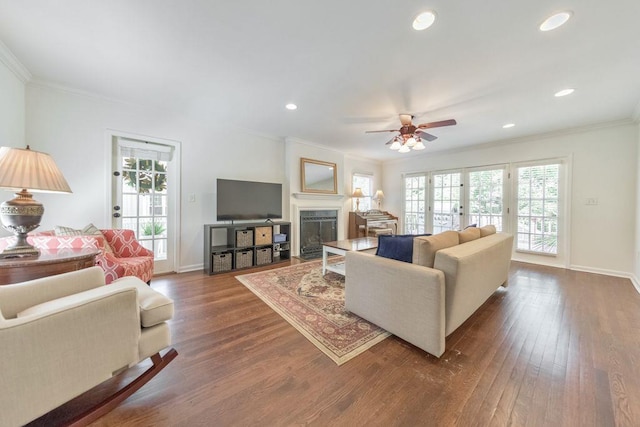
(365, 183)
(446, 204)
(537, 208)
(415, 204)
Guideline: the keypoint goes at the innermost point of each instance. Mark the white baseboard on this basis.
(632, 277)
(188, 268)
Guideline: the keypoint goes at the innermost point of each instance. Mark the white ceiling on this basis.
(350, 65)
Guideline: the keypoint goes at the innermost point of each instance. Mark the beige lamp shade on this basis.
(32, 170)
(357, 192)
(379, 195)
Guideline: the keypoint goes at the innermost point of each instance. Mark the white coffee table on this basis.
(341, 247)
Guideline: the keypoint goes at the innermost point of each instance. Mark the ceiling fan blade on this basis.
(441, 123)
(387, 130)
(405, 119)
(427, 136)
(391, 140)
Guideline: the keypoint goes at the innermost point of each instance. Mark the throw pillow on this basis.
(469, 234)
(398, 247)
(89, 230)
(487, 230)
(425, 248)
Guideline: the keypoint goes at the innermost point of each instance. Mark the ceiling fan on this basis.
(410, 136)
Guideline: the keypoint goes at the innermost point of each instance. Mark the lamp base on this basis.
(20, 216)
(20, 252)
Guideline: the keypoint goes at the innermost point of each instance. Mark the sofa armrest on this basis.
(405, 299)
(473, 271)
(17, 297)
(51, 355)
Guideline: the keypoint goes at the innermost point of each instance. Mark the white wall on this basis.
(73, 129)
(12, 109)
(604, 166)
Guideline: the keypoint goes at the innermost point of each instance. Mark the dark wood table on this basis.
(49, 263)
(341, 247)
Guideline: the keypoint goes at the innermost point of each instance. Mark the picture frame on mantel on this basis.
(318, 177)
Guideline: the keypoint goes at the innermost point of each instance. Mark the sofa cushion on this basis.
(398, 247)
(487, 230)
(469, 234)
(425, 247)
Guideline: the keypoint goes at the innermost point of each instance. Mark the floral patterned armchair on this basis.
(120, 253)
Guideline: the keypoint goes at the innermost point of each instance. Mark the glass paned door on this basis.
(144, 202)
(446, 203)
(415, 204)
(486, 198)
(141, 202)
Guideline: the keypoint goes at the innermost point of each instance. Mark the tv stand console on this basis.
(229, 247)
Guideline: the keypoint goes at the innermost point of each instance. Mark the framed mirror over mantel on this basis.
(318, 177)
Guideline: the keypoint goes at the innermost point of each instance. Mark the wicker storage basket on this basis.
(263, 256)
(264, 235)
(244, 238)
(222, 262)
(244, 258)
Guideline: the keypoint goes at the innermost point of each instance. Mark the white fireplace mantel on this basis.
(315, 196)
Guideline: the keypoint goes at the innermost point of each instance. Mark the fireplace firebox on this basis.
(316, 227)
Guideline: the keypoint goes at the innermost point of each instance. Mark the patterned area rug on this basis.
(314, 305)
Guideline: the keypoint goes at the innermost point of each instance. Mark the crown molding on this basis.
(9, 59)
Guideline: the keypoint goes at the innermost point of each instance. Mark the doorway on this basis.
(144, 196)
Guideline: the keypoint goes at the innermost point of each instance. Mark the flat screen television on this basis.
(247, 200)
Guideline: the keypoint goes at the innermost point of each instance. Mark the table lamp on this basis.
(357, 193)
(22, 170)
(379, 196)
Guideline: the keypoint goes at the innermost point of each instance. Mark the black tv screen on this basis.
(244, 200)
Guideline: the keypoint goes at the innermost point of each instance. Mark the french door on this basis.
(143, 195)
(456, 199)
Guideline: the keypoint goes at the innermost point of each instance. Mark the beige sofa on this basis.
(451, 276)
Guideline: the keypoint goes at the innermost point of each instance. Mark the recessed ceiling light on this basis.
(555, 21)
(508, 125)
(291, 107)
(424, 20)
(564, 92)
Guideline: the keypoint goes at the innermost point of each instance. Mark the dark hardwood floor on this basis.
(557, 347)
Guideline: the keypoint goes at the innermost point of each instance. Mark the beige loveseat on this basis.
(452, 274)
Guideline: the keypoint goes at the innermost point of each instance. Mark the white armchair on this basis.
(62, 335)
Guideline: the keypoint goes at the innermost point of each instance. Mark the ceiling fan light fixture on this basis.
(396, 145)
(556, 20)
(419, 146)
(404, 149)
(411, 142)
(424, 20)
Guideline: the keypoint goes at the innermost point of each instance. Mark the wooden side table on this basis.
(49, 263)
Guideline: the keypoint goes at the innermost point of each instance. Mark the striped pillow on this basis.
(89, 230)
